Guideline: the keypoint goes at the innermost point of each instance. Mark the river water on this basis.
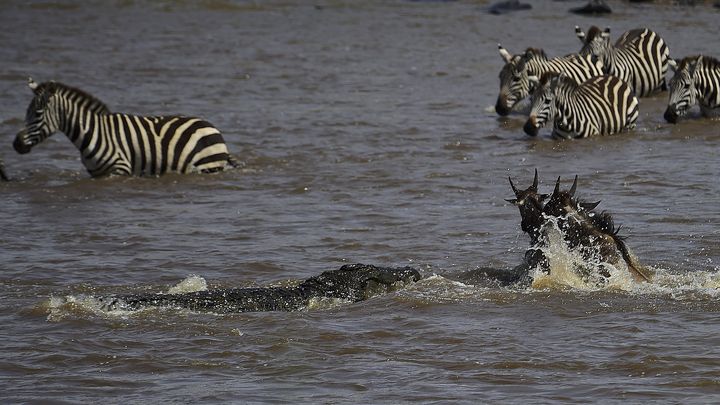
(367, 134)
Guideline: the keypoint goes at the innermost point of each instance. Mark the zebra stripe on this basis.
(515, 76)
(122, 144)
(639, 57)
(696, 81)
(602, 105)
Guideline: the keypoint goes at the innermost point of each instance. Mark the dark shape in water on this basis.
(593, 7)
(353, 282)
(504, 7)
(3, 176)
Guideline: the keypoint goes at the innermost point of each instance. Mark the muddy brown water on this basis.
(367, 135)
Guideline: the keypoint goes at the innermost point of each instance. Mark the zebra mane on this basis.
(50, 88)
(708, 61)
(593, 32)
(535, 52)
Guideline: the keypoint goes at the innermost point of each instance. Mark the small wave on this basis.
(191, 284)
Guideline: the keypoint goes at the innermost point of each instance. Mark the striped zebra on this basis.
(639, 57)
(121, 144)
(602, 105)
(515, 76)
(696, 81)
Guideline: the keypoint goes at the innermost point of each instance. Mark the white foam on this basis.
(192, 283)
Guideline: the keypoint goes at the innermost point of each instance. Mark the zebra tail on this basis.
(633, 265)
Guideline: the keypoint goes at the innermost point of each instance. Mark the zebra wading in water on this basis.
(518, 71)
(602, 105)
(696, 81)
(639, 57)
(121, 144)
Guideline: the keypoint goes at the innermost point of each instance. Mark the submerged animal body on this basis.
(516, 76)
(696, 81)
(353, 282)
(593, 234)
(121, 144)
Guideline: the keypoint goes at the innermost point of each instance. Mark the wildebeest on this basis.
(593, 234)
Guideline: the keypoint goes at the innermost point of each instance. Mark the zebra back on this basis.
(639, 56)
(602, 105)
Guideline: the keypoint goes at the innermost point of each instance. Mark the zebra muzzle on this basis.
(20, 144)
(671, 115)
(531, 127)
(501, 106)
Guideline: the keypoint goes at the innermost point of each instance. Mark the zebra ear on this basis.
(672, 64)
(504, 54)
(606, 33)
(32, 84)
(580, 34)
(693, 65)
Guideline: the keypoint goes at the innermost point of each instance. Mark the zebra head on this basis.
(542, 109)
(530, 204)
(40, 120)
(683, 93)
(514, 84)
(596, 43)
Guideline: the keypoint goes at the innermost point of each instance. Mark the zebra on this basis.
(515, 76)
(602, 105)
(696, 81)
(639, 57)
(121, 144)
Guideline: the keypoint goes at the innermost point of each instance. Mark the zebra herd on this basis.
(594, 92)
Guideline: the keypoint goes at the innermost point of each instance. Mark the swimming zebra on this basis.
(602, 105)
(515, 76)
(639, 57)
(121, 144)
(696, 81)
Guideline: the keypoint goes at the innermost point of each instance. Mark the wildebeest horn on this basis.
(589, 206)
(535, 182)
(557, 187)
(574, 187)
(515, 190)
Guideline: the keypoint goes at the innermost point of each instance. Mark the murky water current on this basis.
(367, 135)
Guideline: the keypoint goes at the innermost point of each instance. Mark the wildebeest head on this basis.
(530, 204)
(683, 91)
(514, 80)
(595, 43)
(358, 282)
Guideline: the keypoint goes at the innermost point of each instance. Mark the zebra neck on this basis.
(538, 65)
(88, 131)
